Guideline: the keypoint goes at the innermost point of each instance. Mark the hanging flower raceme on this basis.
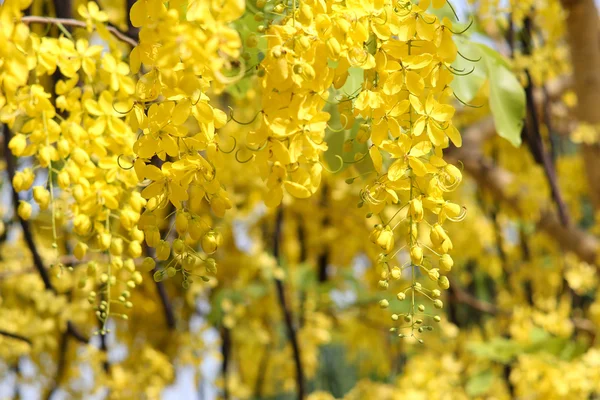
(407, 112)
(74, 142)
(183, 53)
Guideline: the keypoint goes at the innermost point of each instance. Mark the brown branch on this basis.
(496, 180)
(467, 298)
(15, 336)
(226, 350)
(583, 26)
(61, 364)
(34, 19)
(287, 314)
(262, 372)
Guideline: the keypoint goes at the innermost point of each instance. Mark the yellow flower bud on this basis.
(446, 263)
(433, 274)
(416, 209)
(211, 265)
(148, 264)
(46, 155)
(24, 210)
(136, 234)
(416, 255)
(41, 197)
(18, 144)
(305, 14)
(104, 241)
(438, 303)
(401, 296)
(443, 282)
(189, 262)
(383, 237)
(116, 247)
(178, 246)
(152, 236)
(163, 250)
(134, 249)
(396, 273)
(64, 148)
(80, 250)
(196, 229)
(181, 223)
(63, 179)
(82, 224)
(384, 303)
(210, 242)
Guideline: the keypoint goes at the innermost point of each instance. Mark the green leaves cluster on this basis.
(506, 94)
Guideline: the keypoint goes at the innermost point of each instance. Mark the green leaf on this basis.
(498, 349)
(353, 82)
(466, 87)
(506, 97)
(507, 102)
(480, 384)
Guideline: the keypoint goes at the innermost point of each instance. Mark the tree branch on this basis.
(34, 19)
(226, 350)
(15, 336)
(584, 42)
(287, 314)
(496, 180)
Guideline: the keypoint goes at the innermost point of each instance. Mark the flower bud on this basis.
(64, 148)
(116, 247)
(104, 241)
(18, 144)
(446, 263)
(433, 274)
(210, 242)
(63, 179)
(383, 237)
(196, 229)
(437, 303)
(24, 210)
(384, 303)
(416, 209)
(80, 250)
(178, 246)
(181, 223)
(152, 236)
(41, 196)
(443, 282)
(416, 255)
(82, 224)
(134, 249)
(163, 250)
(211, 265)
(148, 264)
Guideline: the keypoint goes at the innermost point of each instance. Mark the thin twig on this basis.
(226, 350)
(287, 314)
(34, 19)
(262, 372)
(61, 364)
(15, 336)
(467, 298)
